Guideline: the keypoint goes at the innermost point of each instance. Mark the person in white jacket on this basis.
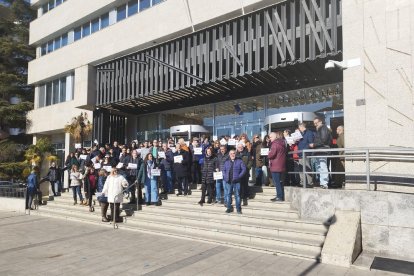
(113, 188)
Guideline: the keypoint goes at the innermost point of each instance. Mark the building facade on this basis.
(140, 67)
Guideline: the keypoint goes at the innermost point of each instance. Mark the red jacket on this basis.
(277, 156)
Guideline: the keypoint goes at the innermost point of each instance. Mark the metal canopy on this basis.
(280, 48)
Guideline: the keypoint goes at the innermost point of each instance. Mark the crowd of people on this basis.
(223, 167)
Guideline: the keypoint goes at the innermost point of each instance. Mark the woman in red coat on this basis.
(277, 162)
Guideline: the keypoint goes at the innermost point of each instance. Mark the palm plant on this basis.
(79, 127)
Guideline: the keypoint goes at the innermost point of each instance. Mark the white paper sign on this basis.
(198, 151)
(78, 146)
(173, 149)
(132, 166)
(223, 142)
(83, 156)
(215, 138)
(217, 175)
(187, 143)
(264, 151)
(97, 166)
(232, 142)
(296, 135)
(120, 165)
(178, 158)
(107, 168)
(161, 154)
(156, 172)
(93, 159)
(290, 140)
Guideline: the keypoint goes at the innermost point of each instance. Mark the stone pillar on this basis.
(67, 151)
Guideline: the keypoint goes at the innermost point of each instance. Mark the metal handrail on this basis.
(374, 154)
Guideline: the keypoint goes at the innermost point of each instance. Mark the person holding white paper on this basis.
(207, 180)
(222, 157)
(181, 169)
(132, 174)
(167, 169)
(150, 181)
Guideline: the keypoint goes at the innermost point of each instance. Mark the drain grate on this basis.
(393, 265)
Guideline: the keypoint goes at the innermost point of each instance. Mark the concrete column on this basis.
(67, 151)
(131, 128)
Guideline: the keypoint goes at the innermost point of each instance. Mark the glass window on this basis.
(57, 43)
(45, 8)
(121, 13)
(42, 90)
(95, 25)
(58, 2)
(144, 4)
(155, 2)
(64, 41)
(55, 92)
(43, 49)
(132, 7)
(63, 89)
(86, 29)
(77, 33)
(104, 20)
(48, 94)
(50, 46)
(51, 4)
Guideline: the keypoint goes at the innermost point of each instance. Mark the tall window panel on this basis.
(121, 13)
(86, 29)
(105, 20)
(144, 4)
(95, 25)
(77, 33)
(56, 91)
(132, 7)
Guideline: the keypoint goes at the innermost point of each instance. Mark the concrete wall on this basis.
(12, 204)
(380, 33)
(386, 218)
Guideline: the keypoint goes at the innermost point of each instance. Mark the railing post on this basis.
(304, 168)
(368, 170)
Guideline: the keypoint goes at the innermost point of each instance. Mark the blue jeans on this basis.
(279, 188)
(259, 175)
(219, 186)
(151, 190)
(233, 188)
(321, 164)
(77, 190)
(167, 180)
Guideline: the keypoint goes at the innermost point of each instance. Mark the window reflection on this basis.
(121, 13)
(144, 4)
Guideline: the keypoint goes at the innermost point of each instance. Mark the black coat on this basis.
(181, 169)
(209, 167)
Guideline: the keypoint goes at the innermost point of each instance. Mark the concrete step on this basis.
(180, 203)
(299, 248)
(215, 214)
(194, 219)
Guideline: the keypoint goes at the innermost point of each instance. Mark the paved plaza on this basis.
(33, 245)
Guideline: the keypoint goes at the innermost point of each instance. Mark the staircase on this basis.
(264, 225)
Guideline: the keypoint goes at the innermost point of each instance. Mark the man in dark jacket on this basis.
(245, 156)
(167, 163)
(53, 176)
(181, 169)
(222, 157)
(207, 179)
(303, 144)
(233, 171)
(323, 139)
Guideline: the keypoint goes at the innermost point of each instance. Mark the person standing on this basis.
(233, 171)
(181, 170)
(53, 175)
(76, 183)
(132, 164)
(166, 169)
(103, 200)
(303, 144)
(32, 187)
(207, 179)
(323, 139)
(145, 175)
(244, 155)
(222, 157)
(113, 188)
(277, 162)
(339, 163)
